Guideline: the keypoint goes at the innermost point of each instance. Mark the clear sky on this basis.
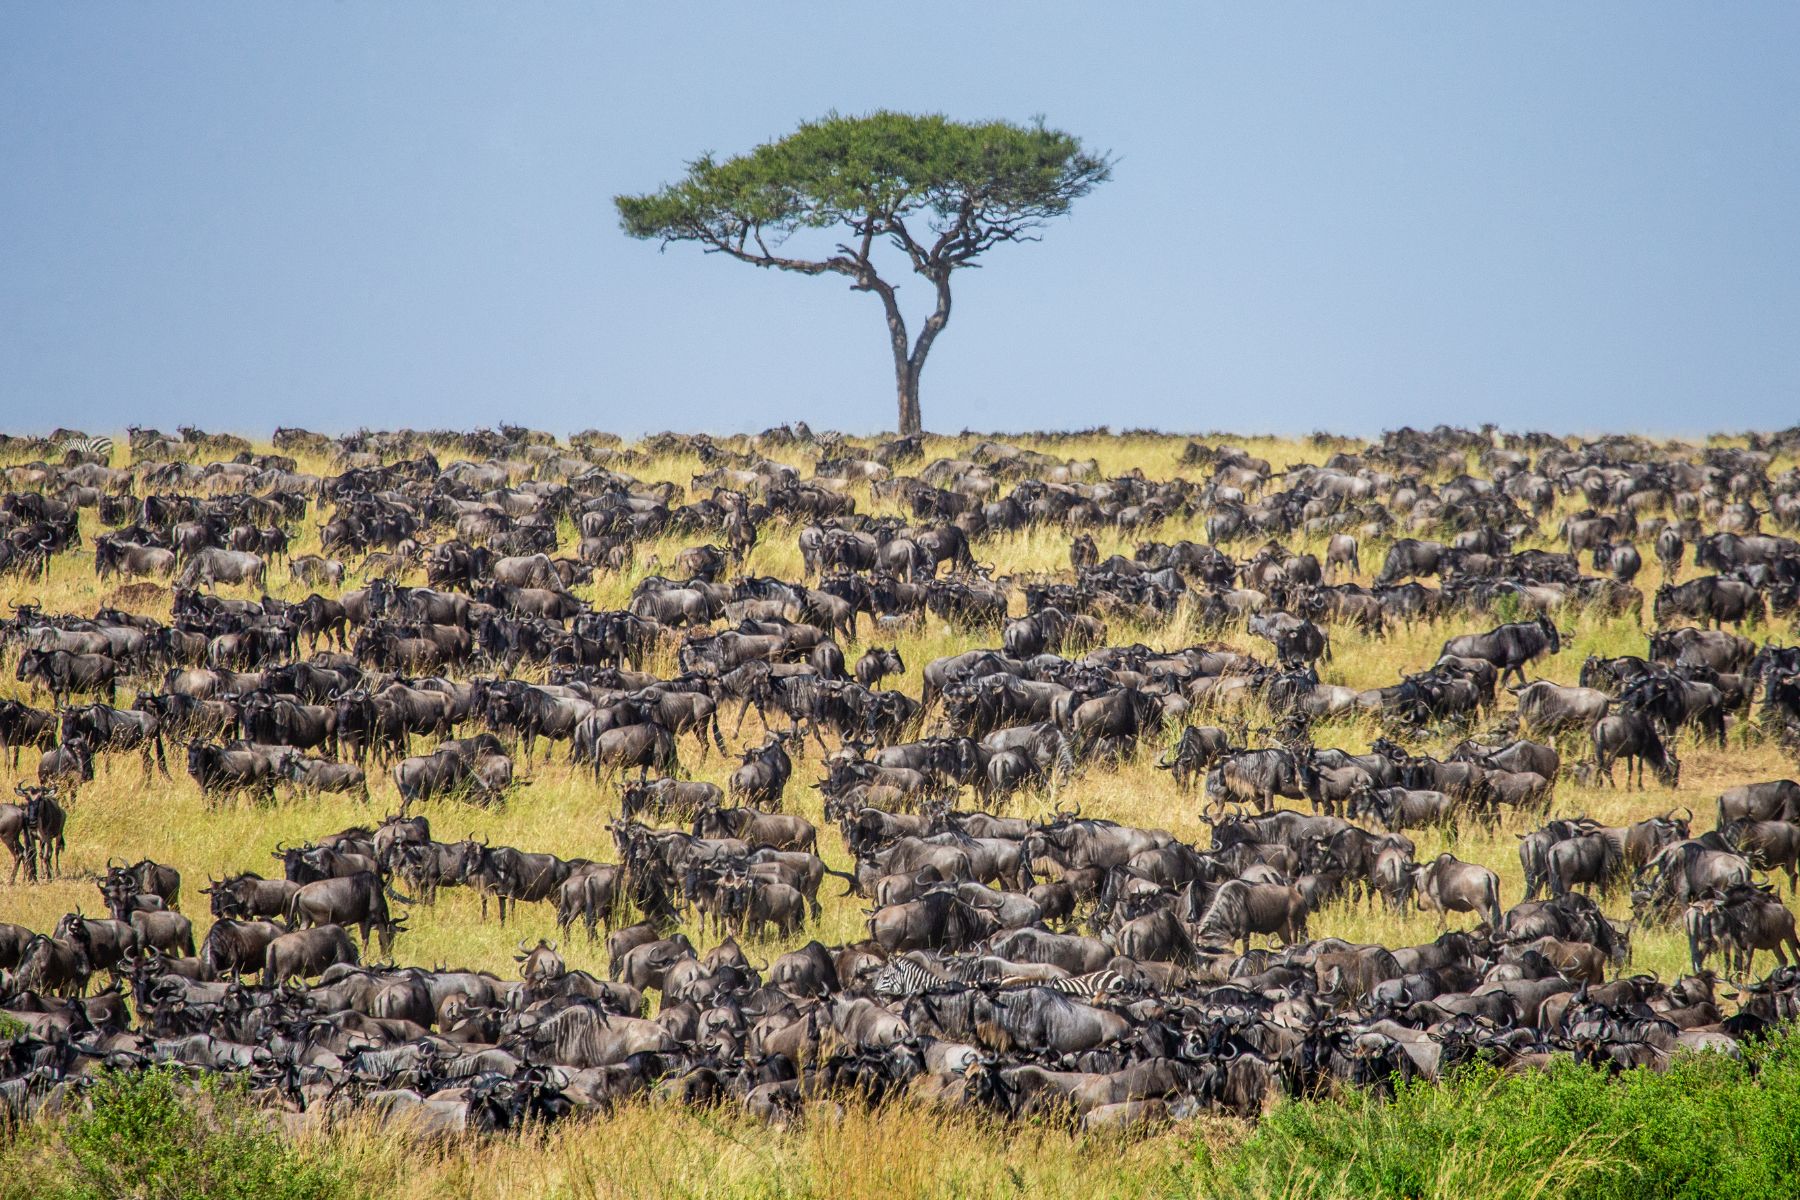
(1344, 216)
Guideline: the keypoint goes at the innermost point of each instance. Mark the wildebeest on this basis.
(1447, 884)
(1551, 707)
(306, 952)
(65, 674)
(213, 565)
(1508, 647)
(1632, 737)
(359, 900)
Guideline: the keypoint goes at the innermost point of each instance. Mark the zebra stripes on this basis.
(908, 977)
(101, 446)
(1095, 983)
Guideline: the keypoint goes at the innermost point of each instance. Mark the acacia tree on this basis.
(940, 192)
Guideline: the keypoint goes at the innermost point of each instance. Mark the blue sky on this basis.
(1577, 217)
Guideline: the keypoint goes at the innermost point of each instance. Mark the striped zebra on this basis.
(99, 447)
(906, 977)
(1105, 982)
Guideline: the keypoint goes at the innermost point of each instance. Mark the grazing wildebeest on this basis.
(1631, 736)
(359, 900)
(213, 565)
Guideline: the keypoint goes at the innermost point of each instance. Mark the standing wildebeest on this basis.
(1115, 721)
(1740, 920)
(1409, 556)
(21, 726)
(1258, 776)
(1197, 749)
(306, 952)
(642, 746)
(1551, 707)
(1239, 909)
(1449, 885)
(1668, 552)
(233, 947)
(64, 674)
(359, 900)
(876, 664)
(221, 770)
(1508, 647)
(250, 896)
(1775, 800)
(34, 830)
(108, 728)
(212, 566)
(1710, 599)
(763, 777)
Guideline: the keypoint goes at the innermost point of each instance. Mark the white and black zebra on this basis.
(1104, 982)
(906, 977)
(909, 977)
(100, 447)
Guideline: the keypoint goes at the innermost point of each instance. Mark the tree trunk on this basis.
(909, 359)
(908, 384)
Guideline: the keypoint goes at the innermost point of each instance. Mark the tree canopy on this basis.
(939, 192)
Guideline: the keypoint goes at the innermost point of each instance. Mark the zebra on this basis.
(1104, 982)
(85, 447)
(907, 977)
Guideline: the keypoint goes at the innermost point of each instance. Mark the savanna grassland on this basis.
(899, 1150)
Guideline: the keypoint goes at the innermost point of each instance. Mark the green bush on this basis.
(153, 1136)
(1710, 1126)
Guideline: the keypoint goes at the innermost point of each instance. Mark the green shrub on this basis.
(1709, 1126)
(153, 1136)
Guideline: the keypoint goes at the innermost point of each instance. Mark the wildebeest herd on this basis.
(1015, 952)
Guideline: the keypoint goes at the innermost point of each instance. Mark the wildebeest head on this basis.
(541, 964)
